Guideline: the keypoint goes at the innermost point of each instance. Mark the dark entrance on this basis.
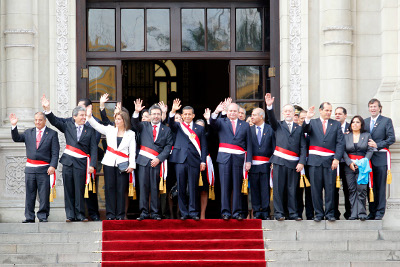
(199, 83)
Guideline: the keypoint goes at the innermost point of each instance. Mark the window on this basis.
(101, 30)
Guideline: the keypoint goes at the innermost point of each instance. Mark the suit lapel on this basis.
(328, 126)
(123, 141)
(228, 122)
(319, 124)
(238, 126)
(285, 126)
(72, 130)
(294, 128)
(264, 134)
(377, 122)
(44, 135)
(160, 132)
(84, 132)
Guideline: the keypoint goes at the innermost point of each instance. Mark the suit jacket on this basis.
(293, 141)
(87, 142)
(265, 148)
(127, 145)
(362, 147)
(241, 138)
(184, 148)
(98, 135)
(383, 135)
(48, 150)
(333, 140)
(162, 145)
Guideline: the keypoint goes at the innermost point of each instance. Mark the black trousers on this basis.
(357, 194)
(188, 176)
(260, 197)
(149, 179)
(116, 185)
(307, 204)
(92, 204)
(231, 177)
(285, 179)
(347, 205)
(377, 208)
(37, 183)
(74, 190)
(323, 179)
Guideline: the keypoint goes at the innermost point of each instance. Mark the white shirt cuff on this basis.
(47, 112)
(214, 116)
(307, 121)
(135, 115)
(13, 127)
(208, 121)
(223, 112)
(269, 107)
(171, 114)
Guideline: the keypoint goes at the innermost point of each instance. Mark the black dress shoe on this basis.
(70, 220)
(371, 217)
(196, 218)
(110, 219)
(119, 219)
(43, 220)
(158, 218)
(363, 218)
(267, 218)
(239, 218)
(280, 218)
(82, 220)
(96, 219)
(317, 219)
(140, 218)
(331, 219)
(378, 218)
(182, 218)
(28, 221)
(297, 219)
(225, 217)
(351, 218)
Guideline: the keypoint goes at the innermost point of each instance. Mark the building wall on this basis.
(345, 52)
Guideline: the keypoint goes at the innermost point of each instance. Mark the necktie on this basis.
(324, 126)
(233, 127)
(259, 134)
(154, 132)
(38, 138)
(79, 131)
(371, 127)
(290, 127)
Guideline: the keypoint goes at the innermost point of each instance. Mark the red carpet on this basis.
(183, 243)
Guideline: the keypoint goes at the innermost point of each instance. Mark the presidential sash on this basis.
(192, 136)
(152, 154)
(39, 163)
(389, 163)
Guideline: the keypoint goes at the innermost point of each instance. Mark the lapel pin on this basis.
(331, 124)
(264, 133)
(195, 128)
(240, 124)
(46, 132)
(85, 131)
(162, 129)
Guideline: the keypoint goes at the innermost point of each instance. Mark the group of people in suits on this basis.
(269, 161)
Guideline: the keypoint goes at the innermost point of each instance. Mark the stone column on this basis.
(336, 84)
(19, 47)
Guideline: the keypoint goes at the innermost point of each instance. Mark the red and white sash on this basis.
(234, 149)
(77, 153)
(39, 163)
(210, 171)
(286, 154)
(152, 154)
(320, 151)
(125, 156)
(371, 175)
(259, 160)
(192, 136)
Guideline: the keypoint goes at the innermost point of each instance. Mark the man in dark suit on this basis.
(235, 140)
(42, 149)
(155, 146)
(263, 144)
(288, 159)
(189, 155)
(325, 151)
(340, 116)
(382, 133)
(77, 169)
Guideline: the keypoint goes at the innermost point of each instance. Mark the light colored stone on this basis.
(337, 235)
(78, 258)
(305, 245)
(375, 245)
(280, 235)
(308, 264)
(354, 225)
(28, 258)
(350, 256)
(296, 256)
(292, 225)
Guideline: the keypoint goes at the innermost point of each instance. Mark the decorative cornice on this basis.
(19, 45)
(338, 28)
(20, 31)
(295, 52)
(338, 42)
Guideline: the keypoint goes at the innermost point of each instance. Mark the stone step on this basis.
(50, 227)
(55, 264)
(24, 238)
(332, 256)
(334, 264)
(65, 258)
(344, 245)
(337, 235)
(323, 225)
(57, 248)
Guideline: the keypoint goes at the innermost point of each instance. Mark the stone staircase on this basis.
(50, 244)
(331, 244)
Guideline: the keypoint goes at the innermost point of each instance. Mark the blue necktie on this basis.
(259, 135)
(371, 126)
(79, 132)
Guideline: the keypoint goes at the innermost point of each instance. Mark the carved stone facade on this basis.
(15, 177)
(295, 51)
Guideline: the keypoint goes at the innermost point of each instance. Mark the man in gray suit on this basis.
(382, 133)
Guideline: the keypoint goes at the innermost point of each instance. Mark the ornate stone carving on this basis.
(338, 28)
(15, 176)
(295, 51)
(20, 31)
(62, 58)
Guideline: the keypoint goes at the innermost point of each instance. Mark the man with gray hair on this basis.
(288, 159)
(79, 159)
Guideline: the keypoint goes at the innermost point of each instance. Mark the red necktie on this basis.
(324, 126)
(233, 127)
(38, 138)
(154, 132)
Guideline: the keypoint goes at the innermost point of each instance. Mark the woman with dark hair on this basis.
(119, 161)
(356, 148)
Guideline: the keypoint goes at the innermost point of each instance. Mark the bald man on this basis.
(235, 140)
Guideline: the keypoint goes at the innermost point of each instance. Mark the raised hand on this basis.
(207, 114)
(89, 111)
(45, 103)
(311, 112)
(164, 108)
(138, 105)
(13, 119)
(176, 105)
(221, 107)
(117, 108)
(269, 100)
(103, 100)
(227, 101)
